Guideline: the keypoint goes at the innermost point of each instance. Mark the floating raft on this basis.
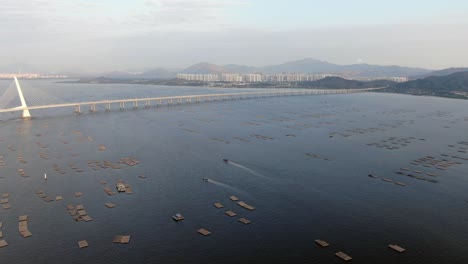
(58, 198)
(1, 234)
(246, 206)
(110, 205)
(234, 198)
(23, 226)
(83, 243)
(400, 183)
(108, 190)
(244, 221)
(6, 206)
(121, 239)
(231, 213)
(396, 248)
(343, 256)
(78, 194)
(204, 232)
(218, 205)
(5, 195)
(322, 243)
(3, 243)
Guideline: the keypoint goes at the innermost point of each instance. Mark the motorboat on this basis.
(120, 187)
(178, 217)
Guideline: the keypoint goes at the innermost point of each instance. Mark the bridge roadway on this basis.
(188, 99)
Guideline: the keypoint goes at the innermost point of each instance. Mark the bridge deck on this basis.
(200, 97)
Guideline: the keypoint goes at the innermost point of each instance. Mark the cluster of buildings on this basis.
(30, 76)
(252, 77)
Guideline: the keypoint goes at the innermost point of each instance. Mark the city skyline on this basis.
(104, 35)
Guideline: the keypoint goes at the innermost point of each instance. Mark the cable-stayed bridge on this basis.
(171, 100)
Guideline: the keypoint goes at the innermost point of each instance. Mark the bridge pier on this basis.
(108, 107)
(122, 106)
(135, 104)
(78, 109)
(92, 108)
(147, 104)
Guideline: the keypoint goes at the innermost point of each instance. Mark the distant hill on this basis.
(158, 73)
(439, 73)
(206, 68)
(447, 85)
(340, 83)
(311, 66)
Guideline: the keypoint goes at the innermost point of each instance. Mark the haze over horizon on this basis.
(104, 35)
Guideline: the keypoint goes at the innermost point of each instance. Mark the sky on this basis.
(107, 35)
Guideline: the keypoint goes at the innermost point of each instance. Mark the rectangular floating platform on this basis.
(78, 194)
(1, 234)
(400, 183)
(125, 240)
(218, 205)
(244, 221)
(246, 206)
(396, 248)
(102, 182)
(110, 205)
(5, 195)
(343, 256)
(121, 239)
(234, 198)
(1, 224)
(6, 206)
(23, 218)
(3, 243)
(322, 243)
(4, 201)
(70, 207)
(25, 233)
(86, 218)
(387, 180)
(231, 213)
(83, 243)
(108, 190)
(80, 207)
(58, 198)
(204, 232)
(82, 212)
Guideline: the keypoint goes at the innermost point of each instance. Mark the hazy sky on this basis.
(102, 35)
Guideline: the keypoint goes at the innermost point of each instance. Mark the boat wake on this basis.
(247, 169)
(226, 186)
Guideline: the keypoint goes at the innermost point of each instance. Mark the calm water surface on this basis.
(298, 197)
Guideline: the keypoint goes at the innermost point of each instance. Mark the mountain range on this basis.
(311, 66)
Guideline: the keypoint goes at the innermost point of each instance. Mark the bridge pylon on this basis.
(26, 114)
